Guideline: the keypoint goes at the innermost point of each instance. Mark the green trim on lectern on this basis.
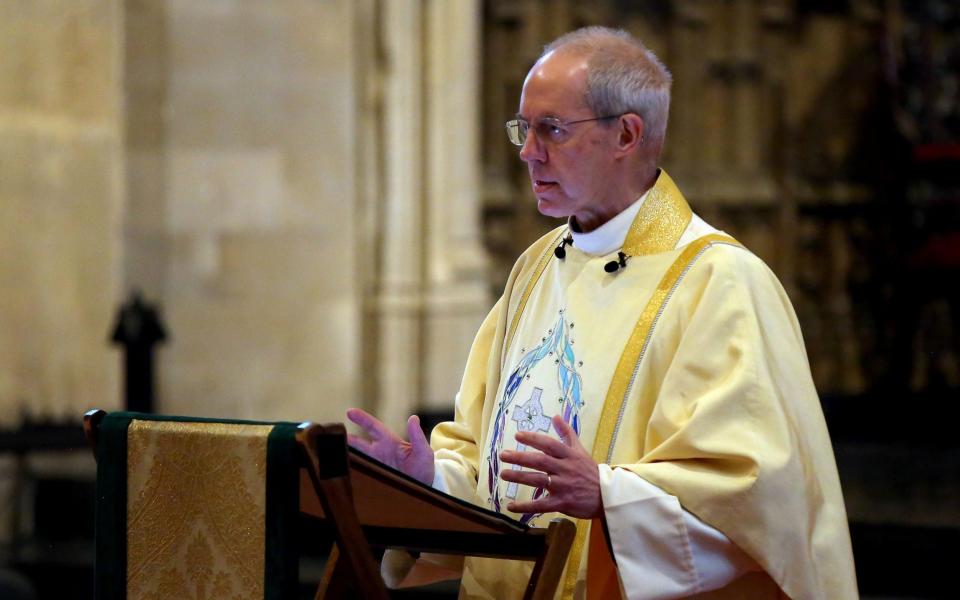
(281, 560)
(110, 581)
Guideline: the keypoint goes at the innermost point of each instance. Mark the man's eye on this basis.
(555, 131)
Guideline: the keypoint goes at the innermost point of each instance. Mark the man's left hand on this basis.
(574, 479)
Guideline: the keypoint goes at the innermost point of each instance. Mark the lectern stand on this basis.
(369, 504)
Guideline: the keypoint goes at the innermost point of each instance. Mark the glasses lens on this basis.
(517, 131)
(553, 130)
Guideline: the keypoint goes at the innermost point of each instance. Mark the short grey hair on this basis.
(623, 76)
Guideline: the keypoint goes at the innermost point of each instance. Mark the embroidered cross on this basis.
(529, 417)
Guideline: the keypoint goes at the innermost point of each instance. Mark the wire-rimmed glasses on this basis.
(548, 129)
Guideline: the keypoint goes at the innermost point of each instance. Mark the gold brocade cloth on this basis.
(195, 510)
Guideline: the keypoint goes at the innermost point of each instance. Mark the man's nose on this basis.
(532, 149)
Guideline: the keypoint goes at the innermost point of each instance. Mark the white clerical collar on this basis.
(610, 236)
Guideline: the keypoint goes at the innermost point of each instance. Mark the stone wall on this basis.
(294, 184)
(242, 216)
(61, 192)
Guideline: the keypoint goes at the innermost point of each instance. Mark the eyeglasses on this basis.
(548, 129)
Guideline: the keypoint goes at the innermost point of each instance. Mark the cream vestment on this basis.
(687, 368)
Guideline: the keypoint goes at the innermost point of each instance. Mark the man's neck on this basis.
(610, 236)
(624, 199)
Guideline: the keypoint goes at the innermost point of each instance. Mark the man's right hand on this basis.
(415, 458)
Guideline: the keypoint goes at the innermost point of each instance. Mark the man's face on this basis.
(567, 177)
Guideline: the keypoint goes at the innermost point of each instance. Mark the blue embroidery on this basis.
(557, 344)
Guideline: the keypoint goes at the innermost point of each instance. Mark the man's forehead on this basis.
(559, 64)
(554, 87)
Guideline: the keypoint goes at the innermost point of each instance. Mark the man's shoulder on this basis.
(727, 273)
(536, 252)
(724, 257)
(546, 240)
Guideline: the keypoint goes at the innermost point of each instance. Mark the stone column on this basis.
(399, 343)
(455, 258)
(431, 294)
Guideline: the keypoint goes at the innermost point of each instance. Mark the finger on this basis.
(567, 435)
(359, 443)
(531, 478)
(566, 432)
(370, 424)
(544, 443)
(537, 461)
(546, 504)
(415, 434)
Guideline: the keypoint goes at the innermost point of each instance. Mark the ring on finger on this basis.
(549, 482)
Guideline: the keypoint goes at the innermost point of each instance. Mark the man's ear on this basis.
(630, 138)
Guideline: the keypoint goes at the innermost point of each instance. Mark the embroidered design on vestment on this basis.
(530, 414)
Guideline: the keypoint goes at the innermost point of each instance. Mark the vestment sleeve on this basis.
(656, 541)
(729, 422)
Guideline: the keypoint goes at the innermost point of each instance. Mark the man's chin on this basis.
(548, 208)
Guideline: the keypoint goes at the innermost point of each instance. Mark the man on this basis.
(642, 372)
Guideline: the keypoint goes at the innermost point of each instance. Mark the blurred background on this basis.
(278, 210)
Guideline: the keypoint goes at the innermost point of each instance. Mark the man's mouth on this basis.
(540, 185)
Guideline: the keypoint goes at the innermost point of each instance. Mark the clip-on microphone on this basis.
(611, 267)
(614, 265)
(559, 252)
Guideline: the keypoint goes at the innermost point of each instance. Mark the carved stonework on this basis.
(789, 129)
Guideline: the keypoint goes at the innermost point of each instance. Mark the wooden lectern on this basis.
(368, 504)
